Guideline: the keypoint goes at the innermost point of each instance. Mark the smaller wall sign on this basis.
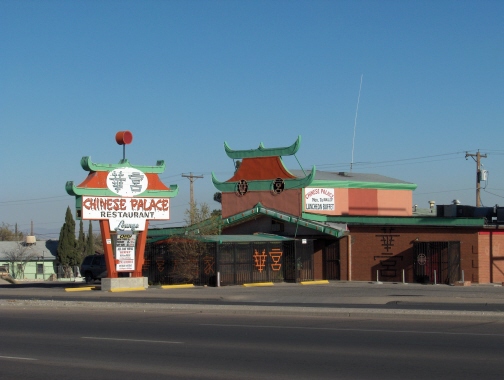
(125, 252)
(319, 199)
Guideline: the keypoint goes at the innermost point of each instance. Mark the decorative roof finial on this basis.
(123, 138)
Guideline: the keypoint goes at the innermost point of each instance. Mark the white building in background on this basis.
(30, 259)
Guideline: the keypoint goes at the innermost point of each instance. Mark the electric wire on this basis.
(377, 164)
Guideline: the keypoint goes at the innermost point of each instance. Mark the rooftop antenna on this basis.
(355, 122)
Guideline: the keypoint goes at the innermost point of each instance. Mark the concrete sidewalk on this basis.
(333, 298)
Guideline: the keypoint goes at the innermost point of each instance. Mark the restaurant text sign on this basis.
(125, 213)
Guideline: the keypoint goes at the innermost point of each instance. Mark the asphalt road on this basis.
(336, 296)
(131, 343)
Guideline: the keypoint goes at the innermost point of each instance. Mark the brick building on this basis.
(359, 227)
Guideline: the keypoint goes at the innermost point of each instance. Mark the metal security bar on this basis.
(437, 262)
(332, 261)
(237, 263)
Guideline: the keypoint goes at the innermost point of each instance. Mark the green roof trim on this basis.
(259, 209)
(157, 234)
(364, 185)
(243, 238)
(398, 221)
(259, 237)
(262, 151)
(73, 190)
(90, 166)
(163, 232)
(265, 185)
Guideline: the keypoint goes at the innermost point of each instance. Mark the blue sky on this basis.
(185, 76)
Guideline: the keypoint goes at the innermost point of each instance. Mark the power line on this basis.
(377, 164)
(496, 195)
(443, 191)
(398, 160)
(34, 199)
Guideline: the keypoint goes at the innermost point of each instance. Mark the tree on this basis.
(205, 222)
(68, 256)
(187, 250)
(18, 257)
(90, 244)
(237, 165)
(81, 241)
(98, 243)
(6, 234)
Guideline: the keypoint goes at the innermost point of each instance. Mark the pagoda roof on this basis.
(261, 167)
(90, 166)
(261, 151)
(265, 184)
(95, 184)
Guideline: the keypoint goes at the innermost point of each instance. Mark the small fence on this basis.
(232, 263)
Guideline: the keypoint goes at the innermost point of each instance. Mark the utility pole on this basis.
(192, 178)
(478, 156)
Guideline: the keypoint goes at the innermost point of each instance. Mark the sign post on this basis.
(123, 198)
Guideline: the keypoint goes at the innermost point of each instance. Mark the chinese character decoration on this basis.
(387, 239)
(117, 179)
(278, 186)
(259, 259)
(160, 264)
(276, 256)
(241, 187)
(136, 182)
(209, 262)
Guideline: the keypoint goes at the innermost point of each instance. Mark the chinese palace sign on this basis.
(123, 198)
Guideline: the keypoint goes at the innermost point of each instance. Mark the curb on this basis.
(181, 286)
(118, 290)
(257, 284)
(317, 282)
(81, 289)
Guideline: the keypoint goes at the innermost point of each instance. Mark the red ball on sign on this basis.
(124, 137)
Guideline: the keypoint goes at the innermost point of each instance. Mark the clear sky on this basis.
(186, 76)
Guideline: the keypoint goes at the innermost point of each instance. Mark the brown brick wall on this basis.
(389, 251)
(491, 256)
(288, 201)
(481, 260)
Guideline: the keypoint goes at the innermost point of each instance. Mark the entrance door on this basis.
(437, 262)
(331, 259)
